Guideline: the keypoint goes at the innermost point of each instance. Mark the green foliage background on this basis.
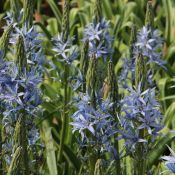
(122, 14)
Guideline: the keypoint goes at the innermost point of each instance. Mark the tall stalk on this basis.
(65, 31)
(140, 80)
(91, 89)
(20, 138)
(114, 98)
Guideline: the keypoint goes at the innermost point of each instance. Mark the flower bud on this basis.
(21, 60)
(140, 72)
(5, 40)
(65, 20)
(28, 13)
(149, 20)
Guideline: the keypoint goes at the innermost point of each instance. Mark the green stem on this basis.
(64, 115)
(114, 98)
(92, 161)
(140, 160)
(23, 144)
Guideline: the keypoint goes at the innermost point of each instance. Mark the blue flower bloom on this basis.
(140, 110)
(99, 39)
(31, 38)
(149, 44)
(65, 50)
(95, 125)
(131, 136)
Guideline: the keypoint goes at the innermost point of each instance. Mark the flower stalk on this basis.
(114, 99)
(20, 134)
(91, 83)
(140, 80)
(65, 30)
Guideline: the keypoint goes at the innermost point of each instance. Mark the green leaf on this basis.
(56, 11)
(68, 154)
(44, 29)
(50, 149)
(107, 8)
(157, 151)
(170, 113)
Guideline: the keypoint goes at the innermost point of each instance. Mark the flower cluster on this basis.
(64, 49)
(32, 43)
(99, 39)
(95, 125)
(19, 91)
(140, 111)
(148, 44)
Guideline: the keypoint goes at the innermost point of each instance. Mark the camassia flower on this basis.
(99, 39)
(140, 110)
(65, 51)
(149, 44)
(95, 125)
(19, 92)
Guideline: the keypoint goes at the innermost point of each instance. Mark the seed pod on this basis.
(4, 41)
(65, 20)
(21, 60)
(99, 167)
(91, 76)
(84, 62)
(140, 72)
(98, 11)
(14, 166)
(149, 20)
(28, 13)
